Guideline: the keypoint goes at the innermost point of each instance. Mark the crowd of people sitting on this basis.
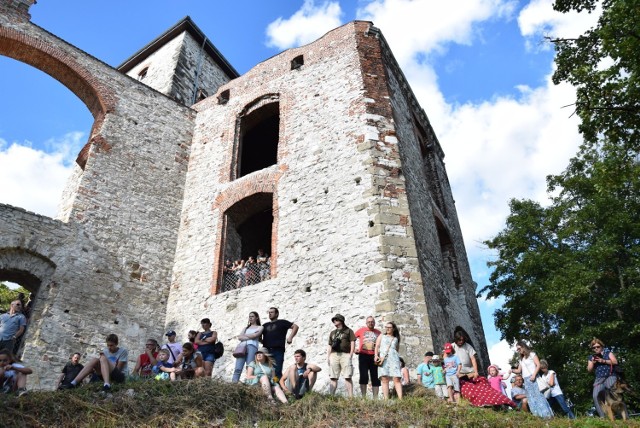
(451, 374)
(240, 273)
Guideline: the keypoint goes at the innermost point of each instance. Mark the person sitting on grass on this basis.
(189, 363)
(519, 394)
(147, 359)
(300, 377)
(13, 375)
(260, 372)
(70, 371)
(110, 365)
(163, 369)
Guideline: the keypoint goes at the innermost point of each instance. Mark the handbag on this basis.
(543, 386)
(380, 360)
(241, 350)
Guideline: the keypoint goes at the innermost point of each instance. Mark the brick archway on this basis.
(25, 267)
(61, 65)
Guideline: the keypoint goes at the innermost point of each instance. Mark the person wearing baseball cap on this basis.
(172, 346)
(425, 377)
(452, 367)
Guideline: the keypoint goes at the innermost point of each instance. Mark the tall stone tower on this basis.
(320, 156)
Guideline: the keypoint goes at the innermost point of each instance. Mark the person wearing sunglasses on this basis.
(12, 325)
(603, 362)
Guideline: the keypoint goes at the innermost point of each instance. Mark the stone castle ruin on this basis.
(321, 156)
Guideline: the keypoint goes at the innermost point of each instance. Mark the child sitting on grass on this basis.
(163, 369)
(13, 375)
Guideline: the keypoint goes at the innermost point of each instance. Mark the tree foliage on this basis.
(570, 270)
(7, 295)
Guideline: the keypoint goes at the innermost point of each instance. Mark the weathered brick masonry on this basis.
(363, 220)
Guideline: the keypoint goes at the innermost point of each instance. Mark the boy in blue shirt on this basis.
(452, 367)
(425, 377)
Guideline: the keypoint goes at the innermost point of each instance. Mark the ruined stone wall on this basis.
(172, 69)
(321, 251)
(449, 289)
(113, 256)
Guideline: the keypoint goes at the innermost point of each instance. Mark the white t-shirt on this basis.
(465, 352)
(528, 365)
(555, 389)
(252, 330)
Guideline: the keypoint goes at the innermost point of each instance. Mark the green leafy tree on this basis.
(7, 295)
(570, 271)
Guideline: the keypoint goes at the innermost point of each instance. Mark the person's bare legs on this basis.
(266, 387)
(397, 384)
(376, 391)
(312, 379)
(201, 372)
(385, 387)
(86, 370)
(208, 368)
(280, 394)
(333, 385)
(105, 369)
(363, 390)
(525, 405)
(349, 384)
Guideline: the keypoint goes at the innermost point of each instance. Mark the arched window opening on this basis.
(39, 140)
(21, 277)
(201, 95)
(259, 135)
(246, 259)
(449, 259)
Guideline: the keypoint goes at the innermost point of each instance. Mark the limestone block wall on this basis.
(114, 251)
(450, 297)
(172, 69)
(342, 233)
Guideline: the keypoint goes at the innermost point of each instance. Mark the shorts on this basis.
(441, 391)
(454, 382)
(340, 365)
(208, 356)
(117, 375)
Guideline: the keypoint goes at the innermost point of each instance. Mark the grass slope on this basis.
(206, 403)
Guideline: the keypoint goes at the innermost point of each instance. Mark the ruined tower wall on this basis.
(113, 257)
(449, 290)
(321, 248)
(173, 69)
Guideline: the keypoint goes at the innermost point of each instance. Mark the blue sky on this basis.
(479, 68)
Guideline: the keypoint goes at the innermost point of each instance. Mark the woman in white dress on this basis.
(387, 346)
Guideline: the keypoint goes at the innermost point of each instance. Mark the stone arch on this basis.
(32, 271)
(25, 267)
(62, 66)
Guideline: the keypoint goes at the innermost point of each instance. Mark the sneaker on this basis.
(106, 388)
(22, 391)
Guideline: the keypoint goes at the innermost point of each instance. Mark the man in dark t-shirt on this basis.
(70, 371)
(274, 336)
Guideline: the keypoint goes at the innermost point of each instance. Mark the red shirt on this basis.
(367, 340)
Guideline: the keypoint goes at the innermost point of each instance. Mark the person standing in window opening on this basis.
(602, 361)
(228, 279)
(12, 325)
(206, 341)
(529, 368)
(250, 333)
(239, 273)
(252, 275)
(263, 265)
(274, 336)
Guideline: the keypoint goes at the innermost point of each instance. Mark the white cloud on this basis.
(424, 26)
(538, 19)
(304, 26)
(33, 179)
(500, 354)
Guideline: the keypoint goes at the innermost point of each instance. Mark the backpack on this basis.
(218, 350)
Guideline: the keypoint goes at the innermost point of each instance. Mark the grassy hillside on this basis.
(204, 403)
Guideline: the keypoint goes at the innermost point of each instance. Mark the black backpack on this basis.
(218, 350)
